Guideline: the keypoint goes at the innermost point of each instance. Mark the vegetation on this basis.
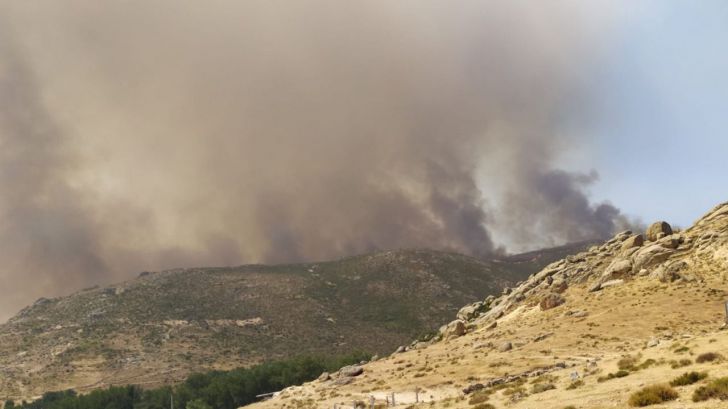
(708, 357)
(717, 389)
(680, 364)
(576, 384)
(652, 395)
(479, 397)
(217, 389)
(542, 387)
(619, 374)
(688, 378)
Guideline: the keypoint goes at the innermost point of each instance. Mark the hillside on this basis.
(588, 331)
(161, 326)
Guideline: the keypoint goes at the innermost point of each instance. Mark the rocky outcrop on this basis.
(453, 330)
(658, 230)
(650, 256)
(471, 311)
(659, 254)
(551, 300)
(343, 376)
(633, 241)
(618, 268)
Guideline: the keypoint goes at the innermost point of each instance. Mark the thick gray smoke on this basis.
(144, 135)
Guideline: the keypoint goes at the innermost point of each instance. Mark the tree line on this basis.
(210, 390)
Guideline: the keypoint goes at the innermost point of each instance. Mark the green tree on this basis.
(198, 404)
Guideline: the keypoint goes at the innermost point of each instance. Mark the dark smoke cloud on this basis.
(144, 135)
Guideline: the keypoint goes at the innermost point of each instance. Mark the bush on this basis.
(479, 397)
(717, 389)
(680, 364)
(198, 404)
(652, 395)
(575, 384)
(708, 357)
(618, 374)
(627, 363)
(688, 378)
(542, 387)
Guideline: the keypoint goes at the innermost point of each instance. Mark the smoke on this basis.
(145, 135)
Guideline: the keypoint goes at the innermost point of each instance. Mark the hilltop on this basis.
(161, 326)
(587, 331)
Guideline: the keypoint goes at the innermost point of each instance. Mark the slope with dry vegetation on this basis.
(636, 321)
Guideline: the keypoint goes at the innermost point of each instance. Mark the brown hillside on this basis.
(160, 327)
(588, 331)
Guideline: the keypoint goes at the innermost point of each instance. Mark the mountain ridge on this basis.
(157, 328)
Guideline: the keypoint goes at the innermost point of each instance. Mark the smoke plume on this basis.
(142, 135)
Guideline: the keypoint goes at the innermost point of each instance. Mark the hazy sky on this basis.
(143, 135)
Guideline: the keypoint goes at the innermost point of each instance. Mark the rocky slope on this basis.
(161, 326)
(587, 331)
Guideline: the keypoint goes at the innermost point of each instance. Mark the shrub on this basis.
(618, 374)
(627, 363)
(479, 397)
(680, 364)
(717, 389)
(542, 387)
(514, 391)
(688, 378)
(644, 365)
(652, 395)
(708, 357)
(575, 384)
(198, 404)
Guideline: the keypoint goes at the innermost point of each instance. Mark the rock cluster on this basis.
(343, 376)
(660, 254)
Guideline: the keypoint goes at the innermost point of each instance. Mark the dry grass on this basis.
(688, 378)
(653, 395)
(717, 389)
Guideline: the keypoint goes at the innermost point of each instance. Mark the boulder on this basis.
(559, 285)
(344, 380)
(454, 329)
(612, 283)
(351, 371)
(595, 287)
(658, 228)
(650, 256)
(324, 377)
(471, 311)
(672, 272)
(506, 346)
(672, 241)
(551, 300)
(633, 241)
(618, 268)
